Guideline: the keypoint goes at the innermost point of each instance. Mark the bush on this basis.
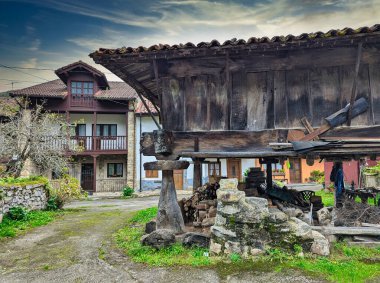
(68, 189)
(317, 176)
(54, 203)
(18, 213)
(127, 191)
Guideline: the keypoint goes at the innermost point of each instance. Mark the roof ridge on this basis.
(252, 40)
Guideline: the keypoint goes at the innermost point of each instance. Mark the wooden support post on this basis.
(269, 174)
(68, 127)
(94, 121)
(354, 83)
(94, 177)
(197, 176)
(169, 215)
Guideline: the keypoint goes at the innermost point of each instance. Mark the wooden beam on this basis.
(130, 79)
(330, 230)
(307, 125)
(324, 128)
(354, 83)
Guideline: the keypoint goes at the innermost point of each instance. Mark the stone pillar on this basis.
(131, 170)
(169, 214)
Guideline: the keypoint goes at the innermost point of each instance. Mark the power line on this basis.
(14, 69)
(18, 81)
(40, 69)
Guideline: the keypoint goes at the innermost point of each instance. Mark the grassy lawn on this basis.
(11, 228)
(328, 198)
(346, 264)
(128, 239)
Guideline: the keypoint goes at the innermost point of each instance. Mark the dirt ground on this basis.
(79, 248)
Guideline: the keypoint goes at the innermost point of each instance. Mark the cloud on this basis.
(34, 45)
(29, 63)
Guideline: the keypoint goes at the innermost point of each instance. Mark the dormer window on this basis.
(82, 88)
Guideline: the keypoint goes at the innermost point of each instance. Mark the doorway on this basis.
(295, 170)
(178, 179)
(87, 177)
(234, 168)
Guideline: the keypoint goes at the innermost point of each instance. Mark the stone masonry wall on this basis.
(33, 197)
(131, 148)
(247, 226)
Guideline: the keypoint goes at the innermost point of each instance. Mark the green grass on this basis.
(327, 197)
(346, 264)
(129, 237)
(11, 228)
(23, 181)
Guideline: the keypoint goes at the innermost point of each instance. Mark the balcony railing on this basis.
(92, 143)
(86, 143)
(82, 101)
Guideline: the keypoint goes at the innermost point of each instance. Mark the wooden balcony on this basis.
(88, 144)
(82, 101)
(93, 143)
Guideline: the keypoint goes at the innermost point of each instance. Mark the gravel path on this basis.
(79, 248)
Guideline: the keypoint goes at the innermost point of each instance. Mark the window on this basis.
(214, 169)
(151, 173)
(80, 130)
(114, 170)
(106, 130)
(82, 88)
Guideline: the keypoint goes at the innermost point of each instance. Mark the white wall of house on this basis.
(118, 119)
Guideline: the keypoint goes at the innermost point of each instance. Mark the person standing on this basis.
(338, 178)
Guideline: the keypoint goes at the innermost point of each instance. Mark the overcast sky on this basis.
(53, 33)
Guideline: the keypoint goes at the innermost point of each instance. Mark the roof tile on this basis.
(252, 40)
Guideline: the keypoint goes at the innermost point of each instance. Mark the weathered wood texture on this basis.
(255, 143)
(268, 92)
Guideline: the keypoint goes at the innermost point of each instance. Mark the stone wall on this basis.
(131, 148)
(247, 226)
(33, 197)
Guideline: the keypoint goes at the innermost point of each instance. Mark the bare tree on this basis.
(36, 135)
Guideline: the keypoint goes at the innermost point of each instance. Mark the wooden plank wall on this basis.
(270, 99)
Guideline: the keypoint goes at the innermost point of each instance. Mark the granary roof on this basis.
(331, 34)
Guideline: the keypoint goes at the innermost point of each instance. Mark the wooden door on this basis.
(178, 179)
(295, 170)
(87, 177)
(234, 168)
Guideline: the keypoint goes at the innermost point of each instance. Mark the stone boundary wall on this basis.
(33, 197)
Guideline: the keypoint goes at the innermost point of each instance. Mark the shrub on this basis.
(317, 176)
(18, 213)
(54, 203)
(127, 191)
(373, 169)
(68, 189)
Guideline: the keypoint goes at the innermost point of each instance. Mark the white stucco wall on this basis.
(118, 119)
